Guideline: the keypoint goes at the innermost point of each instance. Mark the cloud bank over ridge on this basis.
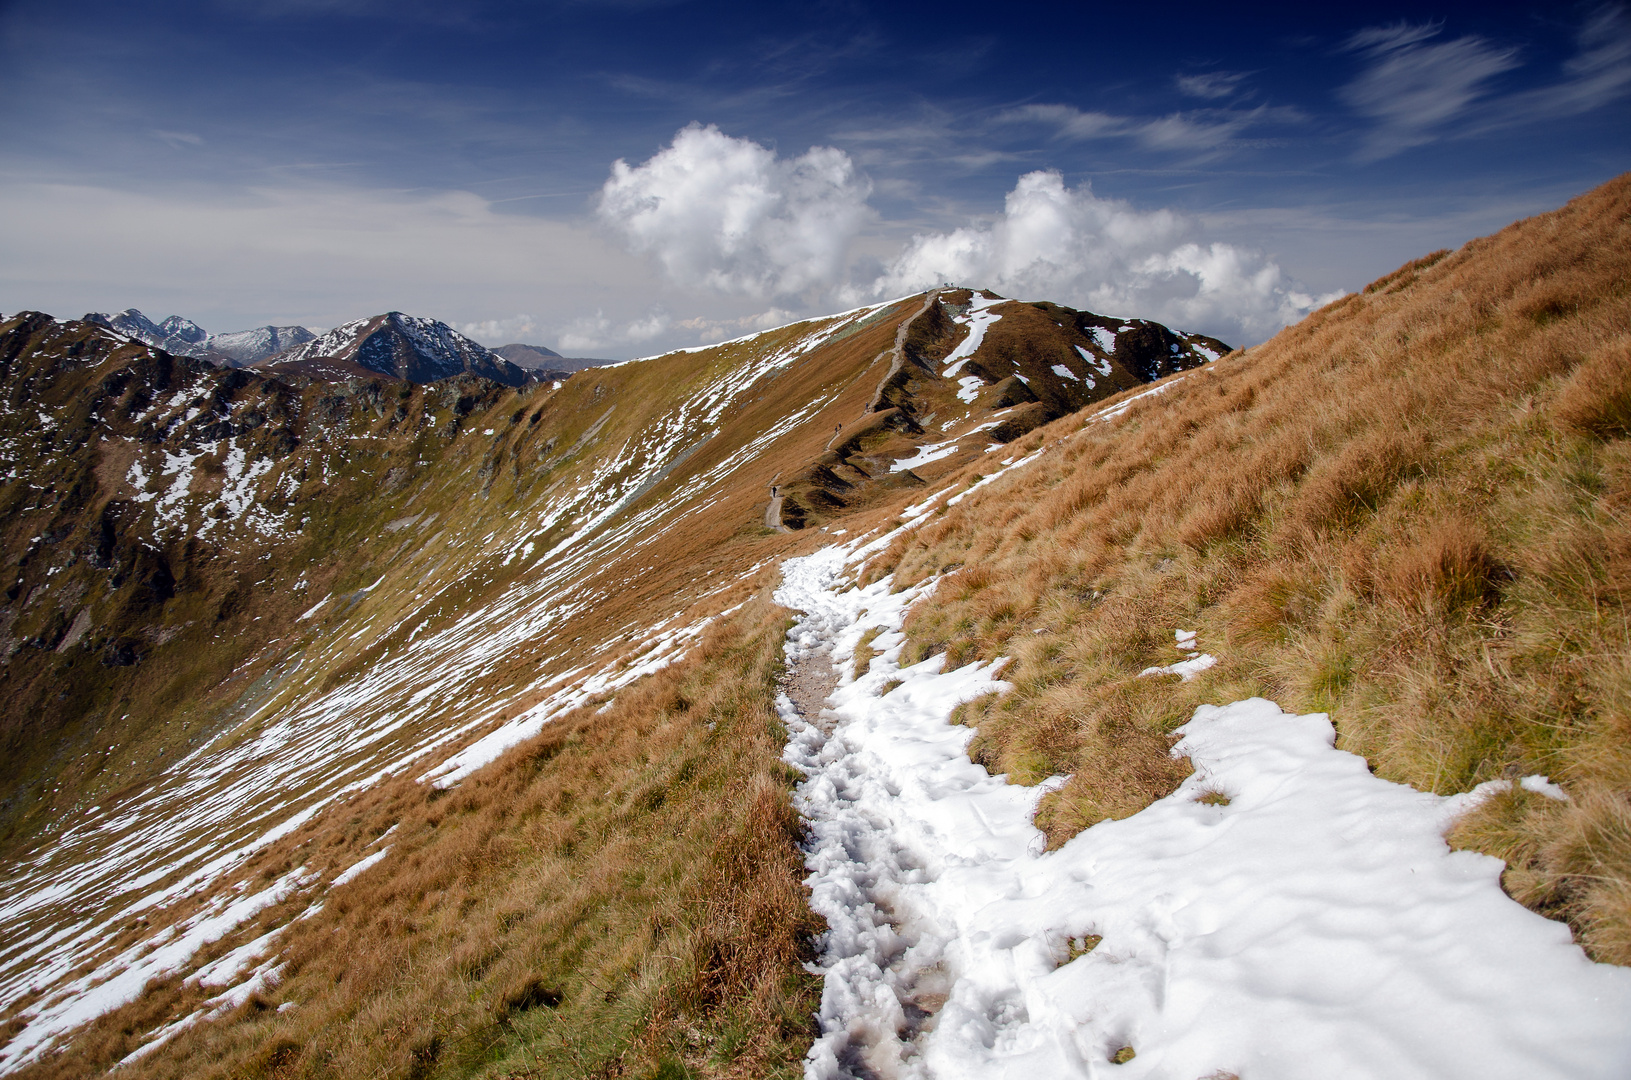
(725, 214)
(734, 217)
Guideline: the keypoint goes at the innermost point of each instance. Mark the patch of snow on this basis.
(978, 320)
(1101, 366)
(656, 653)
(1104, 338)
(968, 388)
(1542, 785)
(1185, 639)
(1122, 406)
(1065, 373)
(1315, 925)
(1008, 465)
(361, 867)
(263, 979)
(925, 454)
(121, 979)
(1184, 669)
(170, 509)
(137, 478)
(225, 971)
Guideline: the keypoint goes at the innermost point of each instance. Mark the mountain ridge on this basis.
(184, 337)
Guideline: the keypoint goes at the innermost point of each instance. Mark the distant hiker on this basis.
(773, 490)
(839, 430)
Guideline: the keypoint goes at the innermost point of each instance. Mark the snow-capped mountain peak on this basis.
(182, 329)
(248, 346)
(405, 347)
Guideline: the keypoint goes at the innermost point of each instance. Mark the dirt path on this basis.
(897, 354)
(808, 681)
(773, 515)
(898, 357)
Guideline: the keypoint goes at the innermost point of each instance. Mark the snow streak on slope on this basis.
(978, 320)
(1314, 924)
(308, 746)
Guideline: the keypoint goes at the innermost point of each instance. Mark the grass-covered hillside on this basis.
(1409, 511)
(481, 776)
(245, 607)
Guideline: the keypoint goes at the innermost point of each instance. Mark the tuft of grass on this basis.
(1078, 947)
(864, 652)
(1596, 399)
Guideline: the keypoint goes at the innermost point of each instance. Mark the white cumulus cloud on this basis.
(730, 215)
(1070, 246)
(599, 331)
(516, 328)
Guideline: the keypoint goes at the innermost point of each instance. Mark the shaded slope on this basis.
(969, 372)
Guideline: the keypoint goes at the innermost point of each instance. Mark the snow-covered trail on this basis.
(1314, 925)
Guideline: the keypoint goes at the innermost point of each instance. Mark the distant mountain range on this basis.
(398, 346)
(183, 337)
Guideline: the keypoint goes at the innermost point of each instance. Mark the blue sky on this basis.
(251, 161)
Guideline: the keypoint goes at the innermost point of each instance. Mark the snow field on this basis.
(1308, 920)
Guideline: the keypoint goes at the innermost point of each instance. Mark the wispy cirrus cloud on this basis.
(1211, 85)
(1412, 90)
(1416, 90)
(1194, 130)
(179, 139)
(1598, 74)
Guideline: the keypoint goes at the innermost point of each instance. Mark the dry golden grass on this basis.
(621, 896)
(1409, 511)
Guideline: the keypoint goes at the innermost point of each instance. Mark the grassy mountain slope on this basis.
(241, 600)
(1407, 510)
